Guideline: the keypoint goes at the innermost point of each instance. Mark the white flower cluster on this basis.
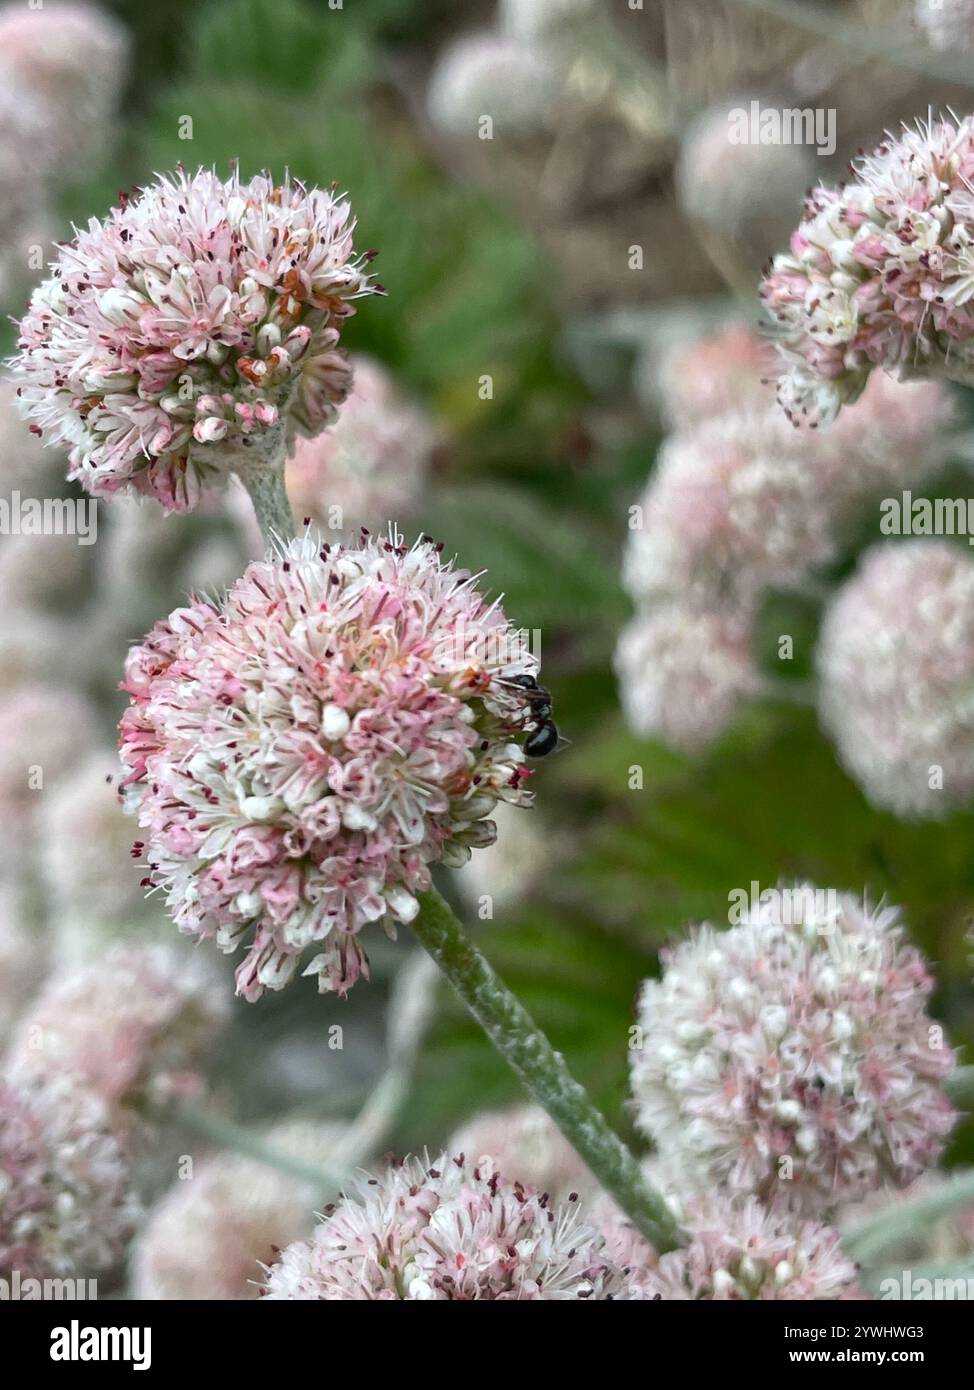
(740, 503)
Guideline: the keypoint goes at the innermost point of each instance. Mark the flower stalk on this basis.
(542, 1070)
(264, 480)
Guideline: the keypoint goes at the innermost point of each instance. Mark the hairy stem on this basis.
(528, 1052)
(263, 477)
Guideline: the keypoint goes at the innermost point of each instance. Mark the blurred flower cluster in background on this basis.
(573, 382)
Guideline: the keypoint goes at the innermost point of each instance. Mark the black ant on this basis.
(543, 737)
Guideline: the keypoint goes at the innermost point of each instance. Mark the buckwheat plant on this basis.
(447, 1231)
(880, 273)
(792, 1058)
(301, 751)
(299, 754)
(192, 333)
(740, 1250)
(67, 1207)
(131, 1026)
(896, 677)
(735, 505)
(683, 669)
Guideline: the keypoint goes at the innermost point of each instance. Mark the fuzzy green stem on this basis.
(528, 1052)
(264, 480)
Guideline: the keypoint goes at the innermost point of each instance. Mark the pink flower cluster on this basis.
(299, 754)
(880, 272)
(792, 1057)
(896, 676)
(446, 1231)
(740, 503)
(195, 325)
(740, 1250)
(736, 505)
(132, 1027)
(707, 376)
(67, 1207)
(461, 1229)
(683, 668)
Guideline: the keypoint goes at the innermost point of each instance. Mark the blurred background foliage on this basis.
(489, 272)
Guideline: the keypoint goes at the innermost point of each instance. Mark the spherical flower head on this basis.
(792, 1056)
(683, 669)
(132, 1026)
(525, 1142)
(736, 505)
(513, 81)
(713, 375)
(372, 462)
(896, 677)
(446, 1231)
(880, 273)
(298, 754)
(191, 332)
(72, 58)
(66, 1205)
(210, 1235)
(742, 1250)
